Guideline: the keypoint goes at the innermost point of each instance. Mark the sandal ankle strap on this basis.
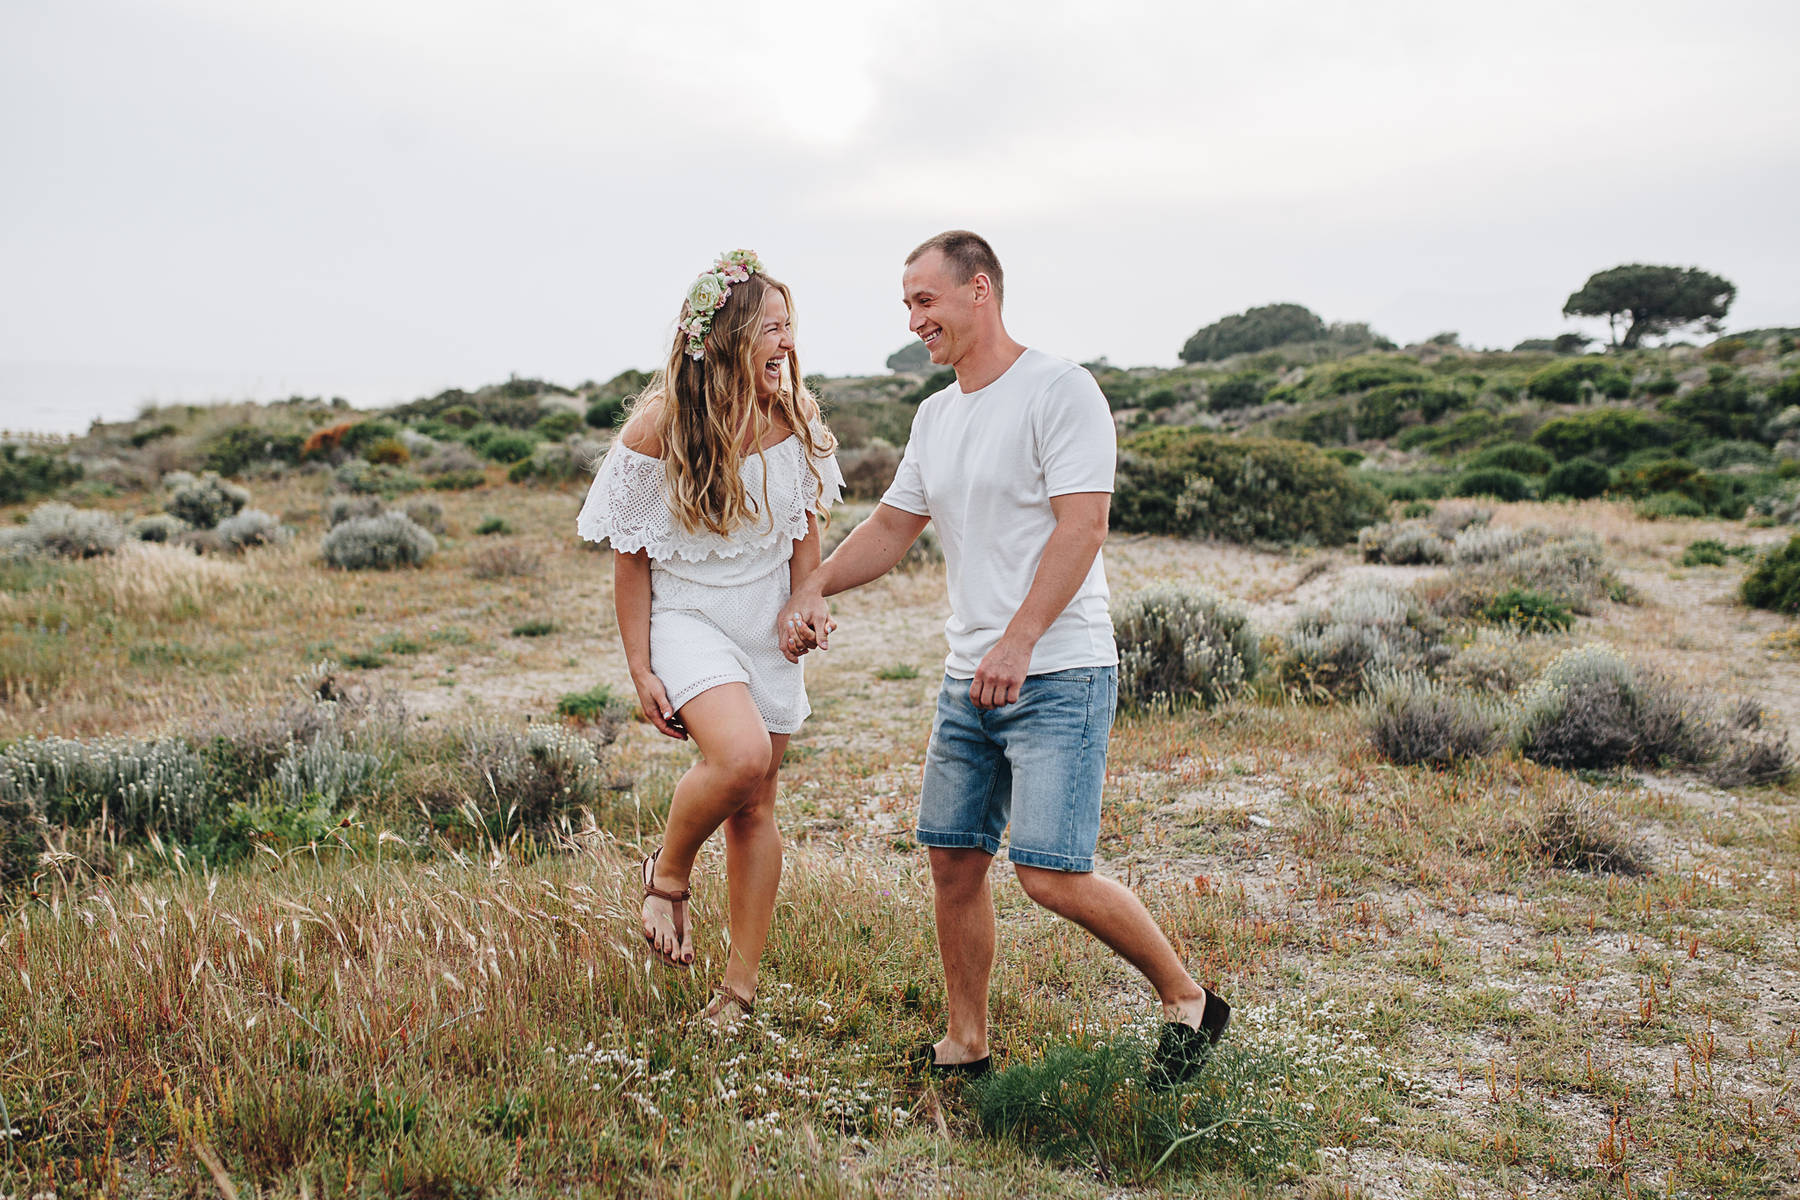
(747, 1003)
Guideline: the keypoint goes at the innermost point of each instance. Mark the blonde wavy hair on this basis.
(702, 409)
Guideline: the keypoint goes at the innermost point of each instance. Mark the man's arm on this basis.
(1068, 556)
(871, 551)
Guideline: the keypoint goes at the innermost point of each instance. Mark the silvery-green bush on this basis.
(251, 527)
(1183, 645)
(382, 542)
(1370, 628)
(59, 530)
(1413, 720)
(445, 458)
(205, 501)
(1402, 543)
(1485, 543)
(339, 509)
(140, 786)
(325, 771)
(1592, 707)
(425, 512)
(157, 527)
(536, 775)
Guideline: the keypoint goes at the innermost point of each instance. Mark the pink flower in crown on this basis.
(733, 272)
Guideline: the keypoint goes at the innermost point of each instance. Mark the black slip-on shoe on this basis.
(925, 1059)
(1183, 1049)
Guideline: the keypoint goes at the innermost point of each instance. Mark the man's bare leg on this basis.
(965, 932)
(1112, 912)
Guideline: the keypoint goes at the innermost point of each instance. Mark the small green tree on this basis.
(1252, 330)
(1652, 300)
(913, 357)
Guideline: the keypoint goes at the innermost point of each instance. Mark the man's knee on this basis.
(959, 871)
(1052, 889)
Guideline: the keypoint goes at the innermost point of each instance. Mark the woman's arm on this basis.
(801, 566)
(631, 597)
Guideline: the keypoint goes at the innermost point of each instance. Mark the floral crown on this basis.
(707, 295)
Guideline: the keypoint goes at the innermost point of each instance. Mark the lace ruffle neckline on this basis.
(627, 504)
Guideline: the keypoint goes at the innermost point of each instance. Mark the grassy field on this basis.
(420, 997)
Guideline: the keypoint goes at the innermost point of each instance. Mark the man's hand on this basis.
(1000, 675)
(805, 624)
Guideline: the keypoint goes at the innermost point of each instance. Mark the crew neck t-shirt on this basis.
(983, 466)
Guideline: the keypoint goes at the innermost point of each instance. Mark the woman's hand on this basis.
(654, 699)
(805, 624)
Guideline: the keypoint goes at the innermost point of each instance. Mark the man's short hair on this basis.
(968, 255)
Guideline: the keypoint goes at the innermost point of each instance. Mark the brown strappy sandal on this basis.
(718, 1014)
(648, 869)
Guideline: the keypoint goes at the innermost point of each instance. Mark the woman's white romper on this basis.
(713, 599)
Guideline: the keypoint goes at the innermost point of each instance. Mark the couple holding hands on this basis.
(712, 497)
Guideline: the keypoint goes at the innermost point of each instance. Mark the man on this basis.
(1014, 462)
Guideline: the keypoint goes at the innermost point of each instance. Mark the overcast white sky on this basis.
(381, 198)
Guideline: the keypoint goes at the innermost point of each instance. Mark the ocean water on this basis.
(62, 398)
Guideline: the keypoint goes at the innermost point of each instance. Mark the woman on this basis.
(712, 497)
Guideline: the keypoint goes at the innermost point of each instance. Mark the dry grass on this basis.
(1597, 979)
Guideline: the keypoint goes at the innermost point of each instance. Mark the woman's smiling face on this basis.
(774, 342)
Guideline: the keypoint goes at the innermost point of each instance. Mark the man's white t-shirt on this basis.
(983, 466)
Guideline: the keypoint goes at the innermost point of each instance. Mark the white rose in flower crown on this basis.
(707, 293)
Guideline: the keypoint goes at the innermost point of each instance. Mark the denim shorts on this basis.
(1038, 762)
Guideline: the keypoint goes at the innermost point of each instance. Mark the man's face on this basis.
(941, 311)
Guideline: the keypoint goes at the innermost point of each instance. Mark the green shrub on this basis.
(24, 475)
(493, 524)
(1496, 482)
(558, 425)
(458, 481)
(365, 660)
(1774, 583)
(567, 461)
(608, 411)
(205, 501)
(534, 629)
(1414, 509)
(1514, 456)
(1607, 434)
(1195, 484)
(1670, 506)
(1411, 720)
(1720, 456)
(1464, 430)
(231, 451)
(1710, 552)
(592, 705)
(251, 527)
(380, 542)
(1322, 426)
(375, 479)
(1722, 408)
(1567, 382)
(462, 416)
(1183, 645)
(1528, 611)
(1246, 389)
(508, 447)
(1577, 479)
(1252, 330)
(1361, 375)
(364, 434)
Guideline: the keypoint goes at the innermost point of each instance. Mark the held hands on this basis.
(654, 699)
(804, 625)
(1000, 675)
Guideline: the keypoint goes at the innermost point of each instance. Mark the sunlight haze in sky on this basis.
(208, 199)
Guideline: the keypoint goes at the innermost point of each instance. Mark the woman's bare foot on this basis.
(665, 912)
